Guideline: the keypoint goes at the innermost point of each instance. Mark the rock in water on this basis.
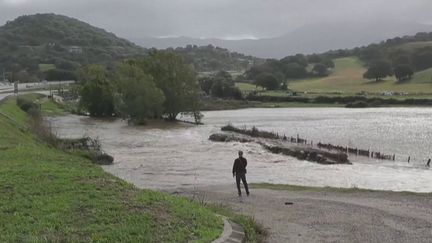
(104, 159)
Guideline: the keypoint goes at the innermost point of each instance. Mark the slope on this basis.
(54, 39)
(347, 78)
(49, 195)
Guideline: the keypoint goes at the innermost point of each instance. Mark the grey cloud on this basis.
(217, 18)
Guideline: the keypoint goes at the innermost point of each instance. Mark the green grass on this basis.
(49, 195)
(46, 67)
(254, 231)
(325, 189)
(424, 76)
(347, 78)
(48, 107)
(295, 105)
(247, 87)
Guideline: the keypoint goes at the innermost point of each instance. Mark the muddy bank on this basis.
(302, 152)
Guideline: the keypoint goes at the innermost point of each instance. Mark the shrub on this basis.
(26, 105)
(357, 104)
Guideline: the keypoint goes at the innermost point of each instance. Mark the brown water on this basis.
(169, 156)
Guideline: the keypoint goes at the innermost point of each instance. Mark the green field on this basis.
(46, 67)
(347, 79)
(48, 195)
(424, 76)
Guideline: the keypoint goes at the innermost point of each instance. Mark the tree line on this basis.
(210, 58)
(220, 85)
(158, 86)
(274, 74)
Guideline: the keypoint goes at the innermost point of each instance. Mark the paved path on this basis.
(232, 233)
(305, 216)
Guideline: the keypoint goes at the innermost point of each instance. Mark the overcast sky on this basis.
(217, 18)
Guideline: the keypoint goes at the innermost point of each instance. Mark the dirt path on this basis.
(331, 216)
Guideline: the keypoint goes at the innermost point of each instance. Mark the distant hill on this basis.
(53, 46)
(58, 40)
(210, 58)
(413, 53)
(314, 38)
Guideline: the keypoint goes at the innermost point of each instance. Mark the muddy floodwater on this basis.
(170, 156)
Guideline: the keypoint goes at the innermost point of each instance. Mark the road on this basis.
(31, 86)
(7, 90)
(331, 216)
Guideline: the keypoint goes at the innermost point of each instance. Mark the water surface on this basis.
(168, 156)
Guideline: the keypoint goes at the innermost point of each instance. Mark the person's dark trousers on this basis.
(242, 177)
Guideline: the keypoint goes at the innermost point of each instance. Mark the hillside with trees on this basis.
(210, 58)
(65, 44)
(407, 54)
(53, 47)
(401, 64)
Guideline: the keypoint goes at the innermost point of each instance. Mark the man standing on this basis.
(239, 171)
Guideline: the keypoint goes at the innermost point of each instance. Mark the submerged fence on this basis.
(254, 132)
(343, 149)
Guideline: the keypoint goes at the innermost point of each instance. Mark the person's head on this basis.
(240, 153)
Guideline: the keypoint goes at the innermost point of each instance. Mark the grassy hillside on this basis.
(347, 77)
(424, 76)
(48, 195)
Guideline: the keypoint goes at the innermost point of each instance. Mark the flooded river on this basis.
(169, 156)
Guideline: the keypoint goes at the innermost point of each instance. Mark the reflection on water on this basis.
(166, 156)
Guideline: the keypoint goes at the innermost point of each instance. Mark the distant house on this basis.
(75, 49)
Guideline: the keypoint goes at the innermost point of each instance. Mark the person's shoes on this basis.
(247, 194)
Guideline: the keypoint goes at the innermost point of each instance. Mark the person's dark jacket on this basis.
(239, 166)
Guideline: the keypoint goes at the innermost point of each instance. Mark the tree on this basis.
(378, 70)
(223, 86)
(24, 77)
(328, 63)
(294, 71)
(59, 75)
(422, 59)
(371, 53)
(97, 95)
(176, 79)
(223, 89)
(268, 81)
(299, 59)
(314, 58)
(403, 72)
(320, 69)
(224, 75)
(206, 84)
(140, 99)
